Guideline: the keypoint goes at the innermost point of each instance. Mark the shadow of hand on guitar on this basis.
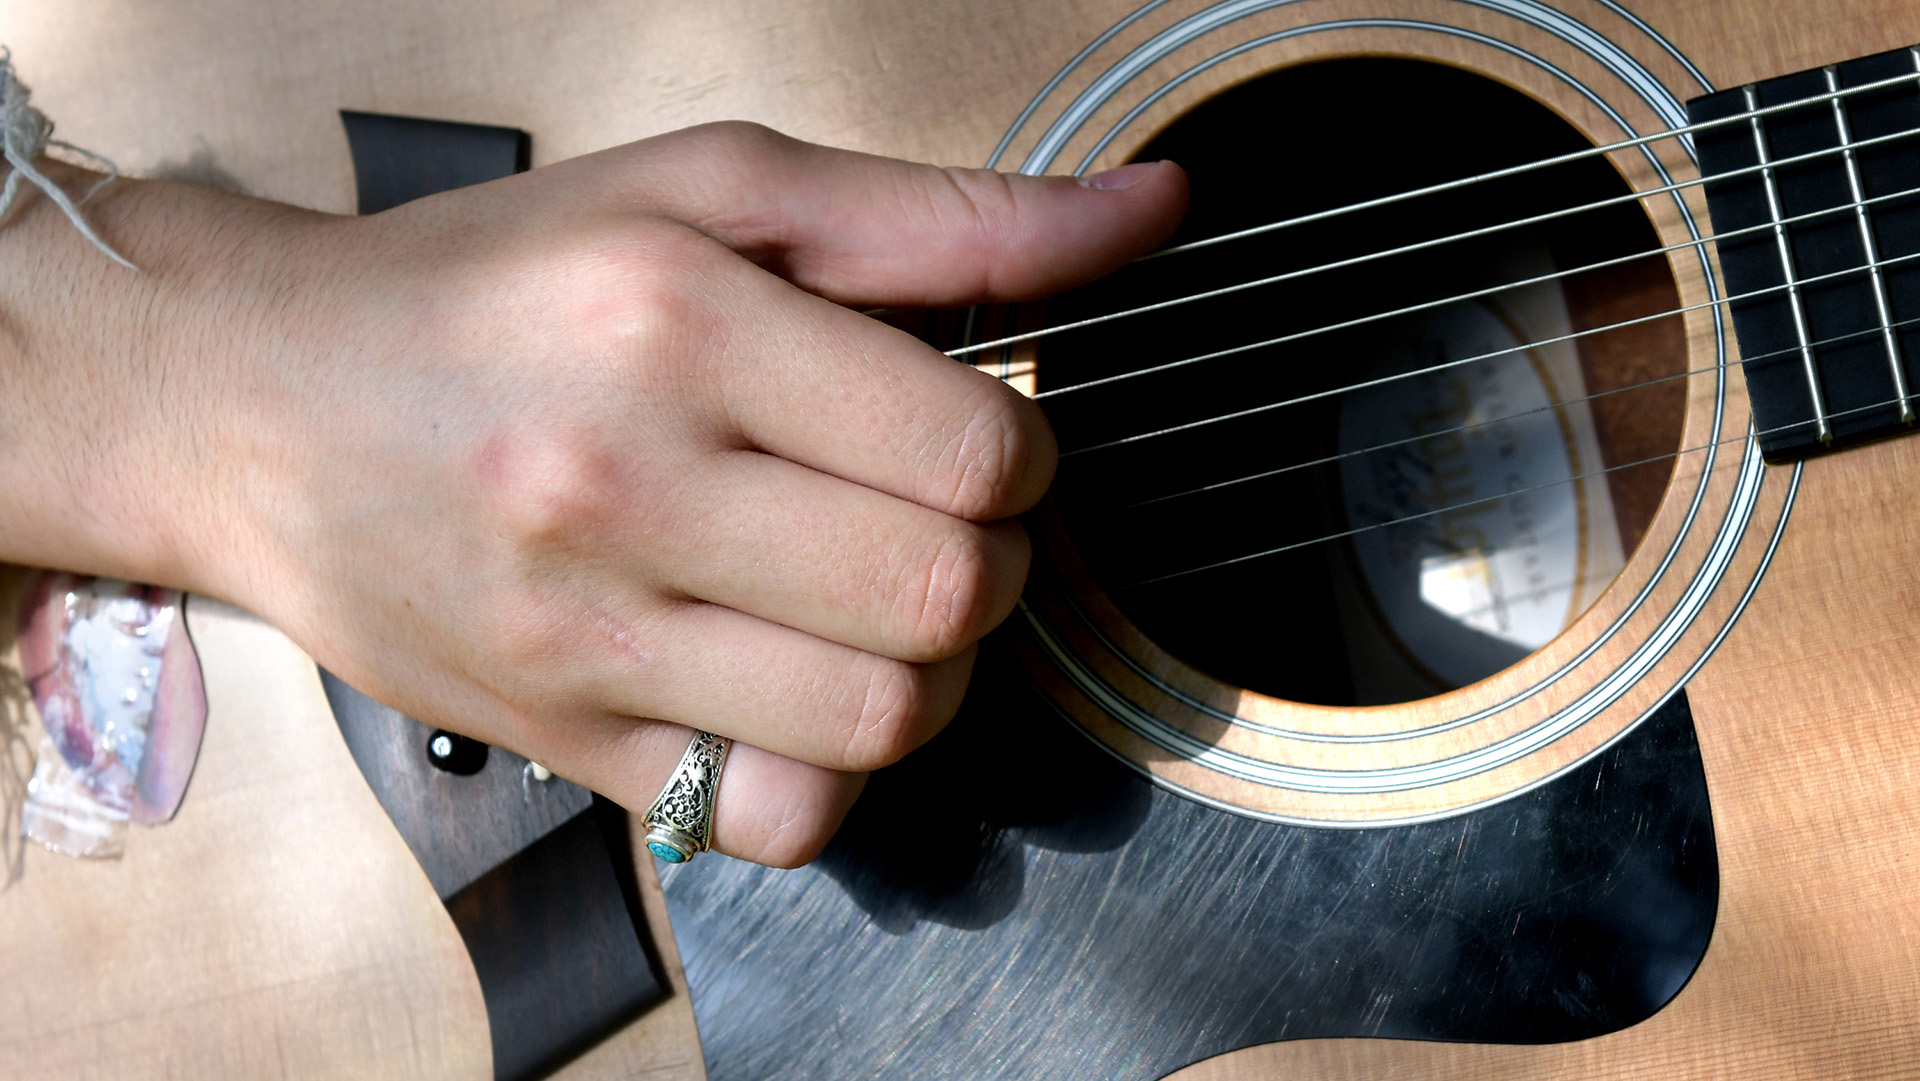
(1571, 911)
(941, 835)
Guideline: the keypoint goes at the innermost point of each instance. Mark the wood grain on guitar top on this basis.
(1806, 722)
(280, 928)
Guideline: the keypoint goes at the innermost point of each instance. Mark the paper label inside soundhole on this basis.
(1465, 582)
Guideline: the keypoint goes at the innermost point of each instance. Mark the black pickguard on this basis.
(1011, 902)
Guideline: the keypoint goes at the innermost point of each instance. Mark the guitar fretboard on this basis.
(1826, 259)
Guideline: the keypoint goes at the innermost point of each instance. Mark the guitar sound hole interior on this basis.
(1468, 579)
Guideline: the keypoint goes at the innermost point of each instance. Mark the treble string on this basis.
(1844, 146)
(1424, 245)
(1478, 357)
(1528, 167)
(1750, 434)
(1791, 350)
(1476, 294)
(1497, 174)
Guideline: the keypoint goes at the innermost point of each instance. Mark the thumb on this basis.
(865, 230)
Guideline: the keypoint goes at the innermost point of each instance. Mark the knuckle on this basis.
(890, 719)
(734, 142)
(952, 591)
(989, 460)
(795, 845)
(800, 825)
(665, 307)
(640, 316)
(991, 208)
(632, 298)
(550, 487)
(745, 136)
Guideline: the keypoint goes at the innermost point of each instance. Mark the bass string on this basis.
(1558, 275)
(1425, 245)
(1477, 357)
(1838, 339)
(1751, 434)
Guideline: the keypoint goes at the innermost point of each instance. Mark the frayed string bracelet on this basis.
(25, 132)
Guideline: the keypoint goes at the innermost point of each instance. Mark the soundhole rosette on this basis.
(1629, 621)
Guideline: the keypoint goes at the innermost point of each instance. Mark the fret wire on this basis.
(1854, 185)
(1786, 268)
(1517, 170)
(1751, 434)
(1470, 426)
(1358, 260)
(1444, 365)
(1457, 298)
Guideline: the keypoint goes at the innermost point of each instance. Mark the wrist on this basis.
(118, 424)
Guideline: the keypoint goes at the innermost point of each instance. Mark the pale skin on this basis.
(577, 461)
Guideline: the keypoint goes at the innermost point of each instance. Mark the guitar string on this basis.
(1358, 260)
(1870, 265)
(1791, 350)
(1518, 170)
(1509, 171)
(1476, 358)
(1410, 309)
(1751, 434)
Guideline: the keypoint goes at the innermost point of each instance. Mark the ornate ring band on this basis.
(680, 822)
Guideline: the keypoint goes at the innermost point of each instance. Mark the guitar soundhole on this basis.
(1473, 512)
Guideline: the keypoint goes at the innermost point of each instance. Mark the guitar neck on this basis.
(1819, 187)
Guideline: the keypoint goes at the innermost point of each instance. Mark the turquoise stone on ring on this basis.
(680, 822)
(666, 852)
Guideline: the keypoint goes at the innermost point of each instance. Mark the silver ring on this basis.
(680, 822)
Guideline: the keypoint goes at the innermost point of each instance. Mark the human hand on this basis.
(576, 461)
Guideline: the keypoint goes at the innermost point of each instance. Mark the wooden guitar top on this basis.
(279, 926)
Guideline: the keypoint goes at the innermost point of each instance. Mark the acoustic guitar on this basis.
(1470, 632)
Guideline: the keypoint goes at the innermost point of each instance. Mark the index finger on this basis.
(866, 230)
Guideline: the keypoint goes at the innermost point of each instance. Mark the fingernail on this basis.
(1114, 179)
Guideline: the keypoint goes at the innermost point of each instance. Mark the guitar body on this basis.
(1810, 972)
(1751, 658)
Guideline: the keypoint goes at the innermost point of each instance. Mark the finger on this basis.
(883, 410)
(770, 809)
(765, 536)
(867, 230)
(787, 691)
